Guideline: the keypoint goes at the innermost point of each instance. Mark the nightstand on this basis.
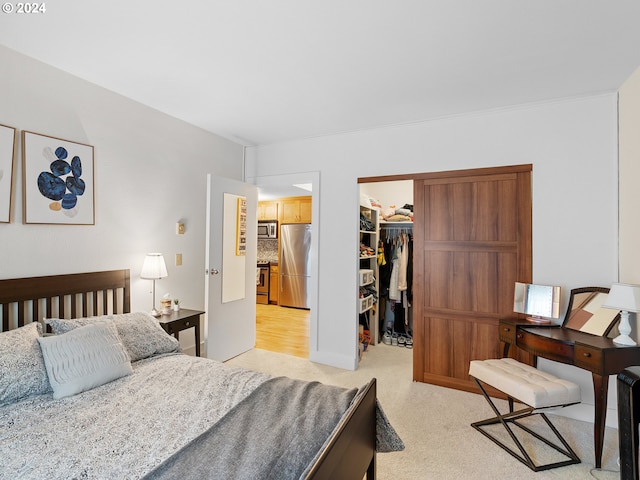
(181, 320)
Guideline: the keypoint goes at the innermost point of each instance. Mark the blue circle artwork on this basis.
(67, 190)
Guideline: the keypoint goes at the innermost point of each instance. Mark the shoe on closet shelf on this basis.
(394, 339)
(386, 338)
(401, 340)
(409, 342)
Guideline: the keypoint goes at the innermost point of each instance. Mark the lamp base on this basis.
(624, 329)
(624, 340)
(154, 313)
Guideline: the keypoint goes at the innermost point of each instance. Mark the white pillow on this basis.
(140, 333)
(22, 370)
(84, 358)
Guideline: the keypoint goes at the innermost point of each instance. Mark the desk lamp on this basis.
(626, 298)
(154, 269)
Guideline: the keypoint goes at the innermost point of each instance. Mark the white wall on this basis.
(573, 148)
(150, 172)
(629, 101)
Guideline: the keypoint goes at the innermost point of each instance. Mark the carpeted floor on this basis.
(434, 422)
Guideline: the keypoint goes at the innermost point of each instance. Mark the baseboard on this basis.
(584, 412)
(334, 360)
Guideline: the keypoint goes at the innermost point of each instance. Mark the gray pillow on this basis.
(84, 358)
(22, 370)
(140, 333)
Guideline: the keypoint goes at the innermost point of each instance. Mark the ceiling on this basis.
(259, 72)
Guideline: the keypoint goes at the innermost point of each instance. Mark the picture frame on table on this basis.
(8, 141)
(58, 181)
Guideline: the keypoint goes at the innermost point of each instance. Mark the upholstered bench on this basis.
(532, 387)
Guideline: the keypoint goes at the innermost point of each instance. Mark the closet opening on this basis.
(471, 241)
(385, 310)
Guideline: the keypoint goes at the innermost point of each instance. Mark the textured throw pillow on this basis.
(141, 334)
(84, 358)
(22, 370)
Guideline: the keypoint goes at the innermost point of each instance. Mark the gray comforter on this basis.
(123, 429)
(127, 428)
(290, 421)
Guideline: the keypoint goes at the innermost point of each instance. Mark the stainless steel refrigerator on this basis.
(295, 275)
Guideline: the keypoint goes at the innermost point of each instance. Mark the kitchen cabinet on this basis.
(268, 210)
(295, 210)
(274, 284)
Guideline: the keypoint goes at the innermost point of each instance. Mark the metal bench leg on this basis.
(513, 417)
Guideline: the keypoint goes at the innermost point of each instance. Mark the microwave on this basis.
(267, 229)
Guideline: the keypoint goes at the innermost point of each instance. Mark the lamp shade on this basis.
(624, 297)
(153, 267)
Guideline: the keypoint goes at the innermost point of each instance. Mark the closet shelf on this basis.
(366, 277)
(366, 303)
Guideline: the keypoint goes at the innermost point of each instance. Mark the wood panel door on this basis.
(472, 242)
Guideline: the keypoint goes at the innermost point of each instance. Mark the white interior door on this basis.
(230, 270)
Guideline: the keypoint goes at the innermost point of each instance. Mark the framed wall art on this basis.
(8, 137)
(58, 181)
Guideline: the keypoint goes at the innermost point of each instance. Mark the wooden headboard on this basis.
(25, 300)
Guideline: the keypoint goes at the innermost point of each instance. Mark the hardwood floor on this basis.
(282, 330)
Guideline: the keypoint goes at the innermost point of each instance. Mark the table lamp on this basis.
(154, 269)
(626, 298)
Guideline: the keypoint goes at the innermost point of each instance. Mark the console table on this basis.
(599, 355)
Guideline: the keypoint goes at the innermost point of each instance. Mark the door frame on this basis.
(314, 179)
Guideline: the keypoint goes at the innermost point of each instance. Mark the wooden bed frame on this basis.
(349, 453)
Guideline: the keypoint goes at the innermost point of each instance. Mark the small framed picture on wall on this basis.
(58, 181)
(8, 138)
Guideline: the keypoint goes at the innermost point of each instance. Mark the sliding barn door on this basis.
(472, 242)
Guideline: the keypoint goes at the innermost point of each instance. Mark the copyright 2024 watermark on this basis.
(24, 8)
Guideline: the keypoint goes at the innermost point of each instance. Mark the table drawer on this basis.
(588, 358)
(541, 347)
(507, 332)
(180, 325)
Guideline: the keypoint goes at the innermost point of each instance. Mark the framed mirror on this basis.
(585, 312)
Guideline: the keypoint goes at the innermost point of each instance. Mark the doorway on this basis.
(287, 330)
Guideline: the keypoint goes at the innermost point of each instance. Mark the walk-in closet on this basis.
(469, 240)
(385, 315)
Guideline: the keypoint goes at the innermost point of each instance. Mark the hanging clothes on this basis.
(403, 258)
(394, 290)
(395, 278)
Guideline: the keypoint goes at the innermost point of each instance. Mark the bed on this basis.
(156, 413)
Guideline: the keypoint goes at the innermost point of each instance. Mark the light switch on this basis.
(180, 228)
(178, 259)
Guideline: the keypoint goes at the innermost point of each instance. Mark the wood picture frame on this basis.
(58, 181)
(8, 142)
(585, 312)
